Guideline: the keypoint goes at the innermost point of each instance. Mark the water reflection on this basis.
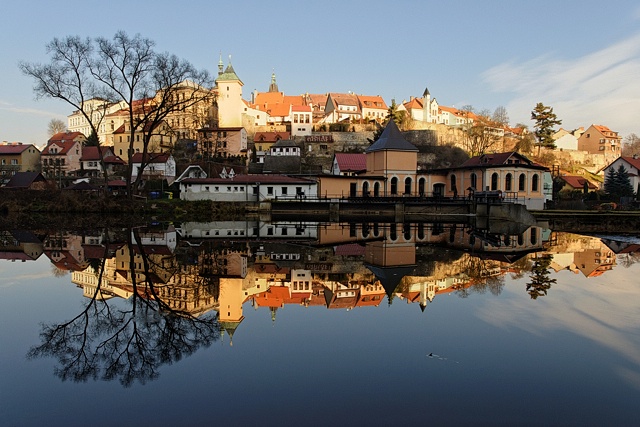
(156, 294)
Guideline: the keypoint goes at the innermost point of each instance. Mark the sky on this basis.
(580, 57)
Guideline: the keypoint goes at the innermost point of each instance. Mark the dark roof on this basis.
(577, 182)
(249, 179)
(391, 139)
(511, 158)
(25, 179)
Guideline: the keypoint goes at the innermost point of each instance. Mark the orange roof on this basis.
(263, 99)
(271, 136)
(278, 110)
(578, 182)
(415, 103)
(275, 296)
(372, 102)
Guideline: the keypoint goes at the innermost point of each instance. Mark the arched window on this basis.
(534, 183)
(394, 186)
(494, 181)
(365, 189)
(407, 186)
(376, 189)
(534, 236)
(393, 233)
(406, 231)
(421, 186)
(508, 182)
(474, 181)
(453, 183)
(522, 182)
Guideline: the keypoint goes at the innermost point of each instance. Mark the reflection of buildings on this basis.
(19, 245)
(582, 254)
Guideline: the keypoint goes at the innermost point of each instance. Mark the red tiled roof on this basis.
(64, 146)
(372, 101)
(350, 249)
(633, 162)
(578, 182)
(301, 108)
(415, 103)
(271, 136)
(351, 162)
(65, 136)
(14, 148)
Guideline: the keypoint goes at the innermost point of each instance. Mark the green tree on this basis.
(623, 183)
(545, 120)
(610, 183)
(92, 140)
(540, 281)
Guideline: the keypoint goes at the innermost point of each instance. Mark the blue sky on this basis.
(580, 57)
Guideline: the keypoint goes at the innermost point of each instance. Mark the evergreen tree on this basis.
(540, 280)
(623, 183)
(610, 183)
(93, 140)
(545, 120)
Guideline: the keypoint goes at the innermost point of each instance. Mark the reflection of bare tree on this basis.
(628, 259)
(128, 340)
(57, 271)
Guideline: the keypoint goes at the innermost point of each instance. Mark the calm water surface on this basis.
(245, 323)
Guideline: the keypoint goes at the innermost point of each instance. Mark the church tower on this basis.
(229, 99)
(273, 87)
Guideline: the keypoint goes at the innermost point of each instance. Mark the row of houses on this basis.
(65, 155)
(389, 170)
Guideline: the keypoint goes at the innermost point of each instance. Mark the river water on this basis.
(238, 323)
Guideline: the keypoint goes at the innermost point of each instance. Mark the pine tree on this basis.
(610, 183)
(545, 120)
(623, 183)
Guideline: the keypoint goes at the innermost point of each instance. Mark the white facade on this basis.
(230, 190)
(166, 170)
(567, 142)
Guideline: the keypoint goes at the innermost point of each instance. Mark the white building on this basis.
(248, 188)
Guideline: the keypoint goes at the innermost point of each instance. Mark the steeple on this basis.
(273, 87)
(220, 65)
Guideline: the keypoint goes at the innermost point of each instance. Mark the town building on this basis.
(598, 139)
(61, 156)
(156, 166)
(18, 157)
(631, 165)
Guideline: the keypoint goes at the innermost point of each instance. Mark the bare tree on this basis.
(500, 116)
(127, 70)
(56, 126)
(67, 77)
(151, 85)
(631, 145)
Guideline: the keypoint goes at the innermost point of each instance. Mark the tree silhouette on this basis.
(545, 120)
(540, 281)
(127, 340)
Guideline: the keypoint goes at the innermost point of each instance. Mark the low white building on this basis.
(157, 166)
(248, 188)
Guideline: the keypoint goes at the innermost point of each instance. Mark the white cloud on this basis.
(6, 106)
(601, 87)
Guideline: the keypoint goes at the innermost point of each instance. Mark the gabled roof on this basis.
(151, 158)
(64, 146)
(25, 179)
(578, 182)
(511, 158)
(372, 102)
(62, 137)
(414, 104)
(270, 136)
(14, 148)
(391, 139)
(635, 162)
(351, 162)
(93, 153)
(347, 99)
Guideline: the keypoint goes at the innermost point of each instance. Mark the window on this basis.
(270, 191)
(534, 183)
(284, 191)
(522, 182)
(508, 182)
(494, 181)
(452, 180)
(394, 186)
(474, 181)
